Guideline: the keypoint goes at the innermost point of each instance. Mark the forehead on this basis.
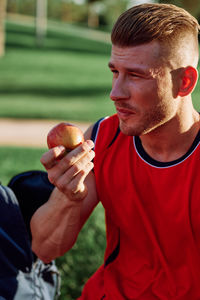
(147, 55)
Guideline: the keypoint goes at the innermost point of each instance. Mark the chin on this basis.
(130, 130)
(137, 129)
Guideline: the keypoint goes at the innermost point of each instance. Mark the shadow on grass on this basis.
(56, 91)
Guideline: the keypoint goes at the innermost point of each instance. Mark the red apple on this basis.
(66, 134)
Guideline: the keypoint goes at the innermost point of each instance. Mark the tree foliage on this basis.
(92, 13)
(192, 6)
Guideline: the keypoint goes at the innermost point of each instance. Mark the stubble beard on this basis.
(148, 122)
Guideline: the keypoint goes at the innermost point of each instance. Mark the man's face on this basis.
(142, 88)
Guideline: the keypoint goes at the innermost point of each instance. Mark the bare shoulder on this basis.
(92, 131)
(91, 200)
(88, 132)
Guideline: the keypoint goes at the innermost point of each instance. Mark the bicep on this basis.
(90, 201)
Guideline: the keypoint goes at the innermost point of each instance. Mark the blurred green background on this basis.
(53, 65)
(66, 78)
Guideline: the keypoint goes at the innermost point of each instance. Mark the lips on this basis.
(124, 112)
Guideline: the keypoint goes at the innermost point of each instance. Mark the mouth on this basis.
(124, 112)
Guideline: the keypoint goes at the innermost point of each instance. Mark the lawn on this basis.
(16, 159)
(67, 78)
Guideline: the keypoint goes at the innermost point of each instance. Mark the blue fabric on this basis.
(15, 248)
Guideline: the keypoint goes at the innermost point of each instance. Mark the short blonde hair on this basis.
(147, 22)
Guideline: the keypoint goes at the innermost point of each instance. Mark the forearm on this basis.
(55, 226)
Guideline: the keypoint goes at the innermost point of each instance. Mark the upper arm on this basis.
(88, 132)
(90, 201)
(92, 131)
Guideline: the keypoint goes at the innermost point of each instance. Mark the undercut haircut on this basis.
(148, 22)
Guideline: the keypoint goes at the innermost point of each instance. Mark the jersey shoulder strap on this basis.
(105, 131)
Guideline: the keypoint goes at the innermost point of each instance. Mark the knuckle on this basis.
(90, 165)
(81, 173)
(43, 160)
(61, 186)
(85, 147)
(52, 178)
(72, 189)
(61, 168)
(91, 155)
(66, 160)
(77, 190)
(77, 167)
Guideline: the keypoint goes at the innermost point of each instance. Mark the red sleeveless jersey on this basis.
(152, 221)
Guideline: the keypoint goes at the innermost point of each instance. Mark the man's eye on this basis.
(114, 71)
(133, 75)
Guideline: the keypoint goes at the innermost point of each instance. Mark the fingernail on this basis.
(90, 143)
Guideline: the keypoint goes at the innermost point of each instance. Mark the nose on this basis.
(119, 90)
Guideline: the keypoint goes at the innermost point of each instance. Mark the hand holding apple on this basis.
(68, 172)
(65, 134)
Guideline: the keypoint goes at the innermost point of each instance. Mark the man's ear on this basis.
(188, 81)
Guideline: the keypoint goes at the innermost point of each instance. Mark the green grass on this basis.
(16, 159)
(87, 255)
(67, 78)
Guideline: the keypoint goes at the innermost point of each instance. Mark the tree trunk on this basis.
(41, 21)
(2, 29)
(93, 18)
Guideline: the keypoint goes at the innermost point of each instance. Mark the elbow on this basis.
(42, 253)
(47, 252)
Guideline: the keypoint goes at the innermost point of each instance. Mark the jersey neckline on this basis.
(149, 160)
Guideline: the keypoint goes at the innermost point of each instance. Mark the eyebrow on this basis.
(130, 70)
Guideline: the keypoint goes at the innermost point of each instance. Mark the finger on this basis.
(77, 182)
(82, 164)
(49, 159)
(70, 166)
(75, 188)
(79, 152)
(64, 167)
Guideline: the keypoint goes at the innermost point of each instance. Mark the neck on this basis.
(172, 140)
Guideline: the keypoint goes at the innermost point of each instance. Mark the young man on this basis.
(145, 167)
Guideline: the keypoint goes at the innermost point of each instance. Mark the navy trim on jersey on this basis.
(143, 154)
(114, 254)
(116, 135)
(96, 129)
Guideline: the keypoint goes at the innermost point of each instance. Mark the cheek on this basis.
(114, 79)
(166, 87)
(145, 93)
